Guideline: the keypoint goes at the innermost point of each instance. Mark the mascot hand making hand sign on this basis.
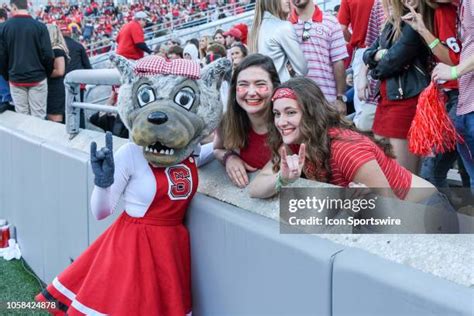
(141, 264)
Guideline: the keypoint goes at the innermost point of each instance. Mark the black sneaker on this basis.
(4, 106)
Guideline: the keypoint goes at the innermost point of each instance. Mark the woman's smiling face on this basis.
(412, 3)
(254, 89)
(219, 38)
(287, 116)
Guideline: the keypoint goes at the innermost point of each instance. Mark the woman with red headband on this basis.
(310, 139)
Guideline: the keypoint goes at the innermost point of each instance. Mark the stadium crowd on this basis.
(371, 59)
(100, 22)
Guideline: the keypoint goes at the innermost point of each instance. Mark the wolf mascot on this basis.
(141, 264)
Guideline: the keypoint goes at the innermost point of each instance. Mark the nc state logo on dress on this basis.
(180, 182)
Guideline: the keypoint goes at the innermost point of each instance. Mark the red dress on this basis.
(138, 266)
(393, 118)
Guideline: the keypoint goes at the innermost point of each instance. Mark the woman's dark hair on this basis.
(176, 50)
(20, 4)
(235, 125)
(218, 31)
(318, 117)
(194, 41)
(211, 57)
(216, 48)
(242, 48)
(3, 14)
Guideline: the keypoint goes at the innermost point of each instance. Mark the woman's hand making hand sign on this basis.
(291, 166)
(414, 19)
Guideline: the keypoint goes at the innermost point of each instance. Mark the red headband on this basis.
(156, 65)
(283, 93)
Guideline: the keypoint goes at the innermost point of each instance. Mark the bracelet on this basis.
(434, 43)
(227, 155)
(280, 182)
(454, 73)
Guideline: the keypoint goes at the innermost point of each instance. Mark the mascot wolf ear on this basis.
(124, 66)
(216, 72)
(211, 106)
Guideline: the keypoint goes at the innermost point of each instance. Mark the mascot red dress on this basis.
(141, 264)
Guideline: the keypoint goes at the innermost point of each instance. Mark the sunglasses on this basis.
(306, 29)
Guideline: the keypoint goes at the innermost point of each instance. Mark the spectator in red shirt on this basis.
(131, 39)
(243, 28)
(355, 14)
(332, 150)
(464, 71)
(446, 48)
(231, 36)
(175, 12)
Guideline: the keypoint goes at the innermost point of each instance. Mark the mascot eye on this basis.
(185, 98)
(145, 95)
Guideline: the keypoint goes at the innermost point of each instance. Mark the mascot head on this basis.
(169, 106)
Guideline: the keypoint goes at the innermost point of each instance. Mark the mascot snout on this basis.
(157, 118)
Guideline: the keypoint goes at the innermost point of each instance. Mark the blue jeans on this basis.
(465, 127)
(4, 91)
(435, 169)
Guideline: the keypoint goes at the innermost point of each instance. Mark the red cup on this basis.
(4, 236)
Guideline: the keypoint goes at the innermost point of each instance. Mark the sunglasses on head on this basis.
(306, 29)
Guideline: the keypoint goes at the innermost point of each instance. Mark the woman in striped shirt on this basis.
(310, 139)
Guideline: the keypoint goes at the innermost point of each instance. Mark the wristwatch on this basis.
(342, 97)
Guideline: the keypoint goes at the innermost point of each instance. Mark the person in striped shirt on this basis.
(322, 42)
(326, 147)
(465, 73)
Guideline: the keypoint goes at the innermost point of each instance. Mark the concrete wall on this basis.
(241, 264)
(44, 193)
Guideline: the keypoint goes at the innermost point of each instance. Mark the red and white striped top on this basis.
(351, 150)
(374, 27)
(325, 46)
(375, 24)
(466, 82)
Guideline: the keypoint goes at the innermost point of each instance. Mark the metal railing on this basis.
(168, 27)
(111, 77)
(72, 83)
(100, 61)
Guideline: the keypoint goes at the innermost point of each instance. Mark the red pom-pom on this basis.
(432, 130)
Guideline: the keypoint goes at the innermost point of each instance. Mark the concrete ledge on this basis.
(364, 284)
(242, 265)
